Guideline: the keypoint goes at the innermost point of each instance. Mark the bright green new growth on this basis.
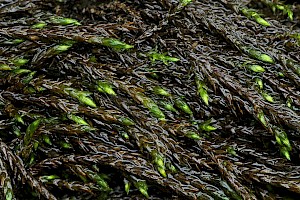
(30, 131)
(39, 25)
(153, 107)
(161, 91)
(141, 185)
(231, 151)
(182, 105)
(259, 82)
(262, 118)
(127, 186)
(19, 118)
(185, 2)
(124, 135)
(99, 180)
(65, 145)
(286, 9)
(14, 41)
(115, 44)
(289, 102)
(285, 153)
(82, 96)
(205, 126)
(161, 57)
(192, 135)
(20, 62)
(8, 194)
(202, 91)
(259, 55)
(266, 58)
(283, 141)
(36, 145)
(256, 68)
(47, 139)
(126, 121)
(77, 119)
(62, 47)
(251, 14)
(105, 87)
(29, 77)
(168, 106)
(21, 71)
(16, 131)
(48, 178)
(4, 67)
(159, 162)
(64, 21)
(267, 97)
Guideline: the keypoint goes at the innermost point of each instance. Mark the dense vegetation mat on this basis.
(149, 99)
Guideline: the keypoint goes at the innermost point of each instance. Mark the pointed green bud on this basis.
(15, 41)
(231, 151)
(105, 87)
(16, 131)
(202, 90)
(126, 121)
(30, 130)
(168, 106)
(47, 139)
(192, 135)
(285, 153)
(65, 145)
(32, 158)
(39, 25)
(204, 95)
(256, 68)
(259, 55)
(127, 187)
(4, 67)
(19, 119)
(64, 21)
(21, 71)
(81, 96)
(160, 91)
(162, 171)
(157, 112)
(259, 82)
(8, 193)
(266, 58)
(207, 127)
(125, 135)
(50, 177)
(185, 2)
(162, 57)
(142, 187)
(62, 48)
(267, 97)
(289, 102)
(262, 21)
(115, 44)
(290, 14)
(262, 119)
(36, 145)
(20, 62)
(77, 119)
(183, 106)
(279, 7)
